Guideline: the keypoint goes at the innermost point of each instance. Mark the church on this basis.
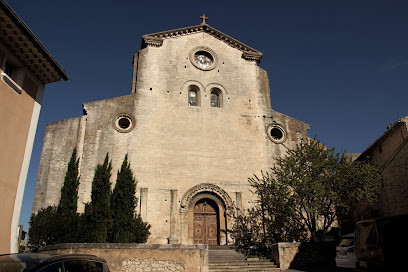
(197, 124)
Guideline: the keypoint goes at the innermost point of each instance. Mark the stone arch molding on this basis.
(206, 188)
(193, 82)
(216, 85)
(203, 88)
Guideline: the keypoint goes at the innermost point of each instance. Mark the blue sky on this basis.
(340, 66)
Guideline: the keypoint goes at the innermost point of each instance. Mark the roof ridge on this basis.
(156, 39)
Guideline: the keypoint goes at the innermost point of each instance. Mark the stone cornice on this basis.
(256, 56)
(156, 39)
(152, 41)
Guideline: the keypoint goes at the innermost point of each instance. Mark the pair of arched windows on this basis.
(194, 97)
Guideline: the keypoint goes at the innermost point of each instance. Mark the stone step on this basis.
(233, 257)
(237, 266)
(226, 259)
(243, 269)
(245, 262)
(221, 247)
(235, 254)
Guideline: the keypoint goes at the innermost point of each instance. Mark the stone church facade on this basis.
(197, 124)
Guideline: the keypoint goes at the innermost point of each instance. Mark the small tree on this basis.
(322, 183)
(247, 230)
(356, 181)
(43, 229)
(311, 188)
(140, 230)
(280, 222)
(98, 215)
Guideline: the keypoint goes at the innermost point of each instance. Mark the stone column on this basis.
(238, 201)
(143, 203)
(173, 239)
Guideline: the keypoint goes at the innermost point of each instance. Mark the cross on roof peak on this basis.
(204, 18)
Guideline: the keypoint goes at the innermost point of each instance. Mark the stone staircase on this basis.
(226, 259)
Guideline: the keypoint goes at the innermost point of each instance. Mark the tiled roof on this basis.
(26, 46)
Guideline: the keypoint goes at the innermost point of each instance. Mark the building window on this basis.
(9, 69)
(276, 133)
(9, 76)
(123, 123)
(216, 98)
(193, 96)
(203, 58)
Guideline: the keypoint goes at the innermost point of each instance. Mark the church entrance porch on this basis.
(206, 211)
(206, 222)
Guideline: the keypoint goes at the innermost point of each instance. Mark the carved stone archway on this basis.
(209, 192)
(206, 188)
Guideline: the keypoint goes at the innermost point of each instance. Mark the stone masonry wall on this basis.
(59, 141)
(172, 146)
(395, 180)
(390, 154)
(142, 257)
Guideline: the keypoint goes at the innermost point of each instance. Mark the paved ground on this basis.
(319, 268)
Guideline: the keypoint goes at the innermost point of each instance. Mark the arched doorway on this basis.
(218, 200)
(206, 222)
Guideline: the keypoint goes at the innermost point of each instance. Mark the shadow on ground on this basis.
(316, 268)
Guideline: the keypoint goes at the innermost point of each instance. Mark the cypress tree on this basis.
(69, 191)
(140, 230)
(98, 213)
(123, 203)
(67, 207)
(127, 227)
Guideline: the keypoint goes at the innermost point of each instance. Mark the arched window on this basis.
(216, 98)
(193, 96)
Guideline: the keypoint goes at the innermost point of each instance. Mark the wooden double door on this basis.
(206, 223)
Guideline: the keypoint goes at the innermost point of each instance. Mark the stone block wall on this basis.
(390, 154)
(303, 256)
(284, 253)
(141, 257)
(395, 197)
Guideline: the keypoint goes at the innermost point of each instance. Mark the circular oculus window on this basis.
(203, 58)
(276, 134)
(123, 123)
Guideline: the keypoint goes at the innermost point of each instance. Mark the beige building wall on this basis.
(25, 67)
(180, 154)
(19, 114)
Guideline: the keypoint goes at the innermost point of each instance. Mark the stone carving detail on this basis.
(252, 56)
(152, 41)
(210, 188)
(151, 265)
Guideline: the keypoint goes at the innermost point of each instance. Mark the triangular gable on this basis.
(156, 39)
